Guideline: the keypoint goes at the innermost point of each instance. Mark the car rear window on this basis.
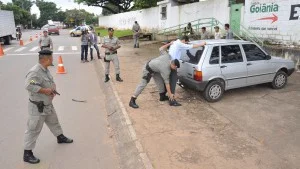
(193, 55)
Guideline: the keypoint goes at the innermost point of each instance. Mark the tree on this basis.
(24, 4)
(106, 12)
(122, 5)
(60, 16)
(21, 16)
(48, 11)
(141, 4)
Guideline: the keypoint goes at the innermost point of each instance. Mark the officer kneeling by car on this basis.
(42, 89)
(160, 69)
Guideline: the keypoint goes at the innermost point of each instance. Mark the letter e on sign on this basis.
(295, 12)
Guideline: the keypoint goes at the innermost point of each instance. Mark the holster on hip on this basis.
(40, 105)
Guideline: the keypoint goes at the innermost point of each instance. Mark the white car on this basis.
(227, 64)
(78, 30)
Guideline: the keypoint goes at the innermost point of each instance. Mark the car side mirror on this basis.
(268, 57)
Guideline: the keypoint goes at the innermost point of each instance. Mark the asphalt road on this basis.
(86, 122)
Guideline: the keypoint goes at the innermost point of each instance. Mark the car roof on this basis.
(219, 41)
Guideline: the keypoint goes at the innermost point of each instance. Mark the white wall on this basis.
(151, 18)
(284, 29)
(147, 18)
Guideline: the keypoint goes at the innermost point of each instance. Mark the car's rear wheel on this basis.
(280, 80)
(214, 91)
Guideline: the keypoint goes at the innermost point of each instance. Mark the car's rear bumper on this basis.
(290, 71)
(193, 84)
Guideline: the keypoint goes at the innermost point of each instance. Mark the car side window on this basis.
(231, 54)
(215, 56)
(254, 53)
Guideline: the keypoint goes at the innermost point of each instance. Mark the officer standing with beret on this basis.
(42, 89)
(111, 45)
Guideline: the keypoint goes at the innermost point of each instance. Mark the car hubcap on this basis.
(215, 92)
(280, 80)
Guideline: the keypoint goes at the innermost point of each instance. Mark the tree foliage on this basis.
(21, 16)
(24, 4)
(141, 4)
(48, 11)
(78, 17)
(122, 5)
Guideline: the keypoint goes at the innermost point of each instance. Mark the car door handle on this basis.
(223, 66)
(248, 64)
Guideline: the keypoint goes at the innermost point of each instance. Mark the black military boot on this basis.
(106, 78)
(163, 97)
(174, 103)
(30, 158)
(118, 78)
(132, 103)
(63, 139)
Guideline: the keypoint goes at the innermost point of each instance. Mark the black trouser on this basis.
(84, 49)
(173, 80)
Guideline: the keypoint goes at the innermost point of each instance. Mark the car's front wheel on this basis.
(72, 34)
(214, 91)
(280, 80)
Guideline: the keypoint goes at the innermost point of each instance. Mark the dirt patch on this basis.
(194, 136)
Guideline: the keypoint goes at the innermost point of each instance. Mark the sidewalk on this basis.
(193, 136)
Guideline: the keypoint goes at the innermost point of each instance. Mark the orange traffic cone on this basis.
(36, 35)
(21, 42)
(60, 67)
(1, 51)
(30, 38)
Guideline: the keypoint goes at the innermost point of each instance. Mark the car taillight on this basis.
(197, 75)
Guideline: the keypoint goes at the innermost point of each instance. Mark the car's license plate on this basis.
(53, 32)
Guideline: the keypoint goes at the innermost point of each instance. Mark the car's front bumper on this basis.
(193, 84)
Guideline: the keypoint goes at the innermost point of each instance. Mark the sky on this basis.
(65, 4)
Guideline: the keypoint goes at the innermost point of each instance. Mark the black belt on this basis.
(148, 68)
(46, 46)
(111, 53)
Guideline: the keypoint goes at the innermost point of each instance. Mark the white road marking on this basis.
(20, 49)
(34, 49)
(61, 48)
(74, 47)
(7, 49)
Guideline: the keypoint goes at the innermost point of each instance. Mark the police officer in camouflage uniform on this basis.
(45, 42)
(160, 69)
(42, 90)
(111, 45)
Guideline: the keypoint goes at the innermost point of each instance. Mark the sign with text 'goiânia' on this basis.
(272, 18)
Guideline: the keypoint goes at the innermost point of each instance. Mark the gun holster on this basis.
(40, 105)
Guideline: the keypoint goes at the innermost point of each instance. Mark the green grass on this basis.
(117, 33)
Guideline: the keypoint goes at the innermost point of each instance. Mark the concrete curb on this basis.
(128, 124)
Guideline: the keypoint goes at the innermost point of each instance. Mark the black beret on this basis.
(177, 63)
(45, 52)
(110, 29)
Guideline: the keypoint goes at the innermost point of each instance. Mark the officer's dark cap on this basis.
(110, 29)
(45, 52)
(176, 63)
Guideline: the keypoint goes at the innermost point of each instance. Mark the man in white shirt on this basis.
(217, 33)
(175, 52)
